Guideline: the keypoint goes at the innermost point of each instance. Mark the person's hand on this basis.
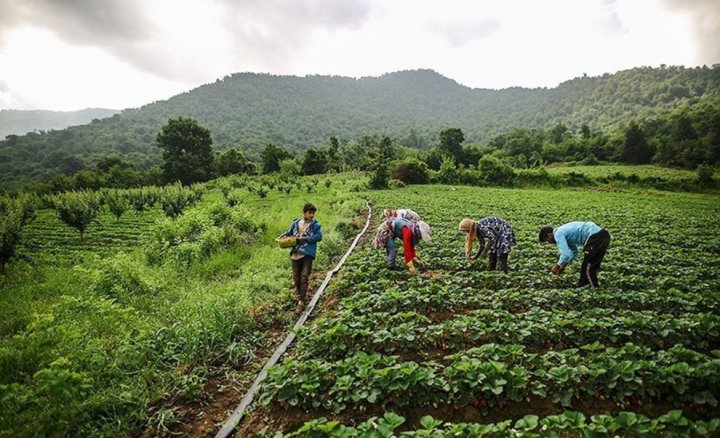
(557, 269)
(411, 267)
(301, 238)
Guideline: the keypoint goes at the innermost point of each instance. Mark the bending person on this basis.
(568, 237)
(410, 235)
(496, 238)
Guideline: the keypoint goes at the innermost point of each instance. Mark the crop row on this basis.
(443, 298)
(567, 424)
(492, 375)
(409, 331)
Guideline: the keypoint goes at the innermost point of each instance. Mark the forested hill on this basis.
(23, 121)
(251, 110)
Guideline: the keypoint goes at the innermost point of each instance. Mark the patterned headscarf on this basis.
(384, 234)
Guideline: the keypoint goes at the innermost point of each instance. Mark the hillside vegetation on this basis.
(249, 111)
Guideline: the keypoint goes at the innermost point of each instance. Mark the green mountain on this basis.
(249, 110)
(17, 122)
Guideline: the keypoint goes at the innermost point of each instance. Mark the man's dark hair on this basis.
(309, 207)
(544, 231)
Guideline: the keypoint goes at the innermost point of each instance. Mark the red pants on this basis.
(407, 237)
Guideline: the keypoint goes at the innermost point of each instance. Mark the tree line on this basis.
(249, 111)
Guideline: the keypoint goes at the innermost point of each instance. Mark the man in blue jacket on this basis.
(568, 237)
(308, 233)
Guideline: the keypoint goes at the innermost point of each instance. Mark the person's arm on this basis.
(568, 252)
(290, 231)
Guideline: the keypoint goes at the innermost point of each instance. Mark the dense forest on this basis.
(23, 121)
(673, 113)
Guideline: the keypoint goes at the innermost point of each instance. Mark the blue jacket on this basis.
(307, 247)
(569, 236)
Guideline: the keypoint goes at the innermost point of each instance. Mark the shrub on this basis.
(448, 173)
(199, 234)
(117, 203)
(410, 171)
(121, 277)
(14, 214)
(380, 177)
(78, 209)
(396, 184)
(495, 172)
(233, 197)
(705, 176)
(175, 198)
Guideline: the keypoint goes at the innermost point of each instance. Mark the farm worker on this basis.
(568, 237)
(402, 213)
(496, 238)
(308, 233)
(410, 234)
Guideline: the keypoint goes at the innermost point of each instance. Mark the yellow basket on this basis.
(286, 242)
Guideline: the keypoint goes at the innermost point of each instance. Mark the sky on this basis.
(74, 54)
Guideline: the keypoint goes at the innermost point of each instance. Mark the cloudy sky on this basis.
(73, 54)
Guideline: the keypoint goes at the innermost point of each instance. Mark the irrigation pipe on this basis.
(247, 399)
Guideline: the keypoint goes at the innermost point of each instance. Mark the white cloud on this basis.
(154, 49)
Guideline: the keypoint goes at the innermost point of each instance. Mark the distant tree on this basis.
(271, 157)
(636, 149)
(14, 214)
(558, 133)
(117, 203)
(78, 209)
(386, 149)
(187, 151)
(290, 168)
(333, 155)
(69, 165)
(314, 162)
(451, 142)
(175, 198)
(107, 162)
(232, 162)
(410, 171)
(471, 154)
(379, 179)
(585, 131)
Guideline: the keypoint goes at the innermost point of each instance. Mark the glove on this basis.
(418, 262)
(557, 269)
(411, 267)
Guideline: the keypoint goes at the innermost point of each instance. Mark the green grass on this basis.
(94, 340)
(643, 171)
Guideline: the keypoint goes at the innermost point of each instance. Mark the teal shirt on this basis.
(570, 236)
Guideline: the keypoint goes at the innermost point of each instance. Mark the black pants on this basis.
(594, 250)
(302, 268)
(497, 261)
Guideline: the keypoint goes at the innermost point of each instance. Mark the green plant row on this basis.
(443, 298)
(399, 332)
(492, 375)
(567, 424)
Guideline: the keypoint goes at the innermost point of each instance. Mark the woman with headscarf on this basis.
(409, 233)
(496, 238)
(402, 213)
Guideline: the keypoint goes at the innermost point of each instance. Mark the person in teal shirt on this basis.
(594, 240)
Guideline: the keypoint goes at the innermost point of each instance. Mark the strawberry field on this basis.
(460, 351)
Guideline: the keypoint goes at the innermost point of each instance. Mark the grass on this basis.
(96, 341)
